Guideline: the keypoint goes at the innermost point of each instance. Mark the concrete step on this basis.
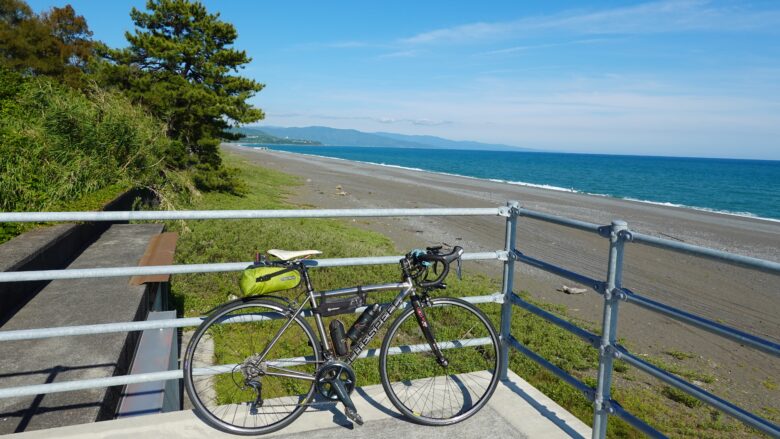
(516, 410)
(76, 302)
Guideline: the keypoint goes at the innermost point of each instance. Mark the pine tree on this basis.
(182, 66)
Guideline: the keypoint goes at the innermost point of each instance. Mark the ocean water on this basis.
(740, 187)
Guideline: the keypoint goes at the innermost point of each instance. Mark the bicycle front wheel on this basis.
(426, 391)
(231, 389)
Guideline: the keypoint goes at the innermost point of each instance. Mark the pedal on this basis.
(353, 415)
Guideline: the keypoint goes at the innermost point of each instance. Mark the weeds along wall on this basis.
(62, 148)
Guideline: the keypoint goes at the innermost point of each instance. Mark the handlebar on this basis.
(432, 257)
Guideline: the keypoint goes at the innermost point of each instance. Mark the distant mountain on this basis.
(439, 142)
(343, 137)
(253, 135)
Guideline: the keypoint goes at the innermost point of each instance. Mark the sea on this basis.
(738, 187)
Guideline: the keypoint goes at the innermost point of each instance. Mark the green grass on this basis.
(238, 240)
(688, 374)
(681, 397)
(679, 355)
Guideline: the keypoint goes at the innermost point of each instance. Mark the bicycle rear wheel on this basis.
(422, 389)
(223, 376)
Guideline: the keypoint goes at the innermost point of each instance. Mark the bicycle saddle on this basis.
(287, 255)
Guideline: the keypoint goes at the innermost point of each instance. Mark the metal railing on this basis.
(613, 293)
(611, 289)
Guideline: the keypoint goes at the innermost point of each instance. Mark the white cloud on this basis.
(657, 17)
(365, 119)
(528, 47)
(600, 119)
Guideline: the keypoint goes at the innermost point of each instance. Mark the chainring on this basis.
(330, 372)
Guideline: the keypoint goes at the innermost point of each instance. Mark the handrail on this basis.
(722, 330)
(106, 328)
(610, 289)
(613, 293)
(82, 273)
(68, 386)
(560, 220)
(718, 255)
(147, 215)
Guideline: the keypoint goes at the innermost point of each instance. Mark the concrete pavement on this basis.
(516, 410)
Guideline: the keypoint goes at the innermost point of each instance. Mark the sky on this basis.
(678, 78)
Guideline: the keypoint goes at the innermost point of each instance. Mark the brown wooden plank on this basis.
(160, 251)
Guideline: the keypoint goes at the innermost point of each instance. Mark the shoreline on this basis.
(667, 204)
(734, 296)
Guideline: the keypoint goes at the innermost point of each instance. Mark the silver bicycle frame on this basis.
(406, 288)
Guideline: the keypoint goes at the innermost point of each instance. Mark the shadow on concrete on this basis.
(369, 399)
(54, 371)
(35, 408)
(543, 410)
(45, 409)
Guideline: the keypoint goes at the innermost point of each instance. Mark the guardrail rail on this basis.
(611, 289)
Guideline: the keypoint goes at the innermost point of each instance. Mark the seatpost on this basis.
(313, 299)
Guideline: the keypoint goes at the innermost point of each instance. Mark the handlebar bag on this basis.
(263, 280)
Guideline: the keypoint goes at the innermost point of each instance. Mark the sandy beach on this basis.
(734, 296)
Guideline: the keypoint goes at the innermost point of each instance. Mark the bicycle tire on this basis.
(214, 344)
(406, 376)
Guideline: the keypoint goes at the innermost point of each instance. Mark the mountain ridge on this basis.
(350, 137)
(257, 136)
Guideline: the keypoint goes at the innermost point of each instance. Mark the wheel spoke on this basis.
(422, 389)
(227, 396)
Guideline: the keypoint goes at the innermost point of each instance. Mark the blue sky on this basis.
(683, 78)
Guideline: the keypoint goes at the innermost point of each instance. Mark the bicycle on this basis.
(444, 372)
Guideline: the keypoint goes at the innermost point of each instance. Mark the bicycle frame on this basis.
(407, 289)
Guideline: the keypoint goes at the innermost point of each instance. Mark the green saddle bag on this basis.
(263, 280)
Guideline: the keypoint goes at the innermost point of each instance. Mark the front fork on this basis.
(425, 327)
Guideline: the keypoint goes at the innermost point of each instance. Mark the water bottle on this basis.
(337, 335)
(363, 322)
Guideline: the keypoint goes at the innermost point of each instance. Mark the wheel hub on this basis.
(252, 368)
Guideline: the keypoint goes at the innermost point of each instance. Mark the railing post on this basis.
(601, 409)
(507, 285)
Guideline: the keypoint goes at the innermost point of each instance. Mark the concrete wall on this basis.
(51, 248)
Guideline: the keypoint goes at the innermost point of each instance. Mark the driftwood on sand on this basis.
(571, 290)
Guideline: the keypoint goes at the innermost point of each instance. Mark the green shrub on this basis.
(59, 145)
(218, 179)
(681, 397)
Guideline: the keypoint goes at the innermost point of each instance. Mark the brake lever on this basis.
(458, 271)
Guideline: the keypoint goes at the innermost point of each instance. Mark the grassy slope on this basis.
(235, 240)
(64, 149)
